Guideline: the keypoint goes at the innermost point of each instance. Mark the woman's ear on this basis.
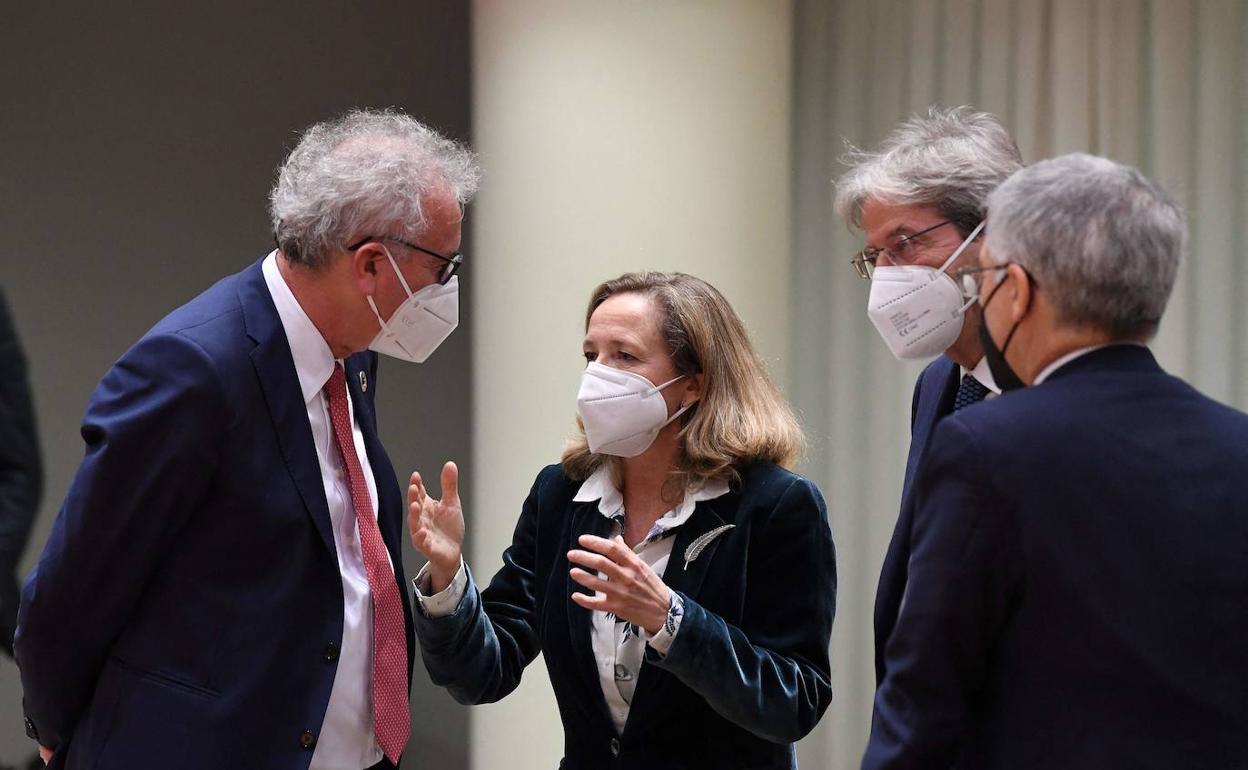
(693, 390)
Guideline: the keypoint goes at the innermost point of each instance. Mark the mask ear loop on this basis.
(381, 321)
(676, 414)
(962, 247)
(399, 272)
(684, 408)
(658, 388)
(954, 257)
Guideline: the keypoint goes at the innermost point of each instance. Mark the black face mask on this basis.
(1002, 373)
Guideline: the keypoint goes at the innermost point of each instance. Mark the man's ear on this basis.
(1021, 291)
(362, 266)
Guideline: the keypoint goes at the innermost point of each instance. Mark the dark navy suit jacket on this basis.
(1078, 587)
(187, 609)
(748, 671)
(934, 393)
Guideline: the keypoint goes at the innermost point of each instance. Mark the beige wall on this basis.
(616, 137)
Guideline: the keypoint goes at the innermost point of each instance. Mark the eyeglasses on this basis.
(448, 270)
(970, 278)
(864, 261)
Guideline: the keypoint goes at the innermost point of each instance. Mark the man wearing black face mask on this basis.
(1077, 584)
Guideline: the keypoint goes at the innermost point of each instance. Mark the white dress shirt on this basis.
(983, 373)
(618, 646)
(346, 741)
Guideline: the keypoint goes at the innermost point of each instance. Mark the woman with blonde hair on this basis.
(679, 579)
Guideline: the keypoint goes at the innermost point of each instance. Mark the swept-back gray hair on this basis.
(1102, 241)
(949, 159)
(363, 174)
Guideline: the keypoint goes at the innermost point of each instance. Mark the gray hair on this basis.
(363, 174)
(1102, 241)
(951, 159)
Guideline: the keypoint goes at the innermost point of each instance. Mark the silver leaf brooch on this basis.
(696, 548)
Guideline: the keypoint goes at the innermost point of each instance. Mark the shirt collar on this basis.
(601, 487)
(314, 361)
(1047, 371)
(983, 373)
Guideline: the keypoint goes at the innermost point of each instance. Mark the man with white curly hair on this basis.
(224, 585)
(1077, 577)
(920, 200)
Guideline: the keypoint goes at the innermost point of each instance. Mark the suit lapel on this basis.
(936, 397)
(275, 370)
(390, 497)
(937, 390)
(586, 520)
(687, 567)
(383, 472)
(693, 551)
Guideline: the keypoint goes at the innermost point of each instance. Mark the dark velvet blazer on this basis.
(187, 609)
(745, 677)
(1078, 582)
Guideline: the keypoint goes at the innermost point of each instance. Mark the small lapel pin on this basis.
(363, 382)
(696, 548)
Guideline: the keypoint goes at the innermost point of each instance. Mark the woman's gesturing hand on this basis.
(632, 590)
(437, 526)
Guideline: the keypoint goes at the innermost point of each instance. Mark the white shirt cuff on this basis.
(661, 642)
(444, 602)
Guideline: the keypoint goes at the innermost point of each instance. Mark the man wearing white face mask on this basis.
(223, 586)
(920, 200)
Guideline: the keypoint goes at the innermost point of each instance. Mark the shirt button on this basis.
(615, 747)
(331, 652)
(307, 740)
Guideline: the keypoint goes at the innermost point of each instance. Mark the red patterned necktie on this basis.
(391, 721)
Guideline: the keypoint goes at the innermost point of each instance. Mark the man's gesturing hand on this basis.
(437, 526)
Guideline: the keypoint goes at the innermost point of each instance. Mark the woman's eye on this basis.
(589, 357)
(623, 356)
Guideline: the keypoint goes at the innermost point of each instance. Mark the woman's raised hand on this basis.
(437, 526)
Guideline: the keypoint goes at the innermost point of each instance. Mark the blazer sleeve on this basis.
(965, 577)
(480, 650)
(151, 431)
(21, 470)
(770, 675)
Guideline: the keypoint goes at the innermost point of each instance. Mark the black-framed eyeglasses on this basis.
(864, 261)
(448, 270)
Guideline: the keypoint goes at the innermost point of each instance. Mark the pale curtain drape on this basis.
(1162, 85)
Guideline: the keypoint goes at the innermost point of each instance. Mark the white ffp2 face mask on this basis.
(917, 309)
(421, 323)
(622, 412)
